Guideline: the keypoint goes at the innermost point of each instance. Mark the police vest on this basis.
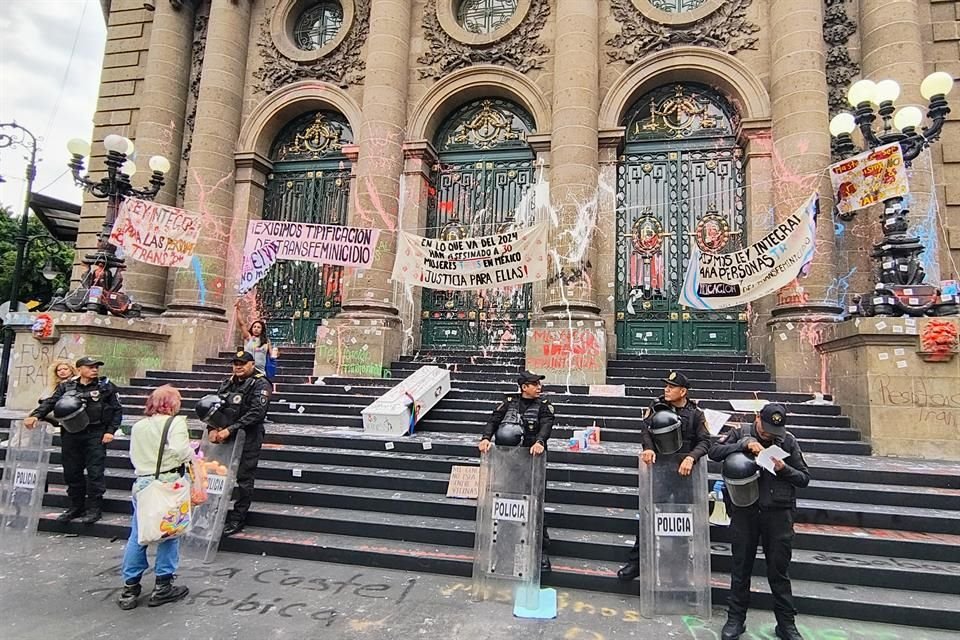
(92, 396)
(529, 420)
(233, 398)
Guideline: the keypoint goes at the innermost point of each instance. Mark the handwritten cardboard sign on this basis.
(155, 234)
(464, 482)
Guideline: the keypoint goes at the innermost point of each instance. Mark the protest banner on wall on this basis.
(271, 240)
(870, 177)
(484, 262)
(721, 280)
(154, 233)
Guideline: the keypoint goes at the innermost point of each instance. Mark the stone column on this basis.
(211, 178)
(892, 48)
(368, 303)
(801, 143)
(160, 128)
(198, 296)
(570, 315)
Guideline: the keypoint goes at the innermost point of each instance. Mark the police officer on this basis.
(535, 416)
(769, 520)
(695, 444)
(88, 409)
(246, 395)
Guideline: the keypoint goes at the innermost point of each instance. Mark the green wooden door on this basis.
(679, 180)
(310, 182)
(485, 168)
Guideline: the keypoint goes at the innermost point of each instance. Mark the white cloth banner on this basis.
(718, 281)
(484, 262)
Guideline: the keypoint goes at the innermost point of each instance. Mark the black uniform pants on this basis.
(79, 451)
(246, 472)
(774, 530)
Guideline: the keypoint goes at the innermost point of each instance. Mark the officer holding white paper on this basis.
(767, 519)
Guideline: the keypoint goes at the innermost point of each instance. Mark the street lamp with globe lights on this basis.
(100, 289)
(900, 289)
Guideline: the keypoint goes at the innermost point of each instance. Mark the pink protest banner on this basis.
(155, 234)
(870, 177)
(270, 240)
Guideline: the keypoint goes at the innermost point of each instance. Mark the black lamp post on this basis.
(900, 289)
(18, 136)
(100, 288)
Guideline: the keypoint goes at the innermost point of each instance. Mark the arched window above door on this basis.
(680, 111)
(484, 125)
(318, 135)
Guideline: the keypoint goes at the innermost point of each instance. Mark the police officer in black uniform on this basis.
(89, 412)
(246, 395)
(536, 417)
(695, 444)
(769, 520)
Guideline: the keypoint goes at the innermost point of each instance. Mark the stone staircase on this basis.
(877, 539)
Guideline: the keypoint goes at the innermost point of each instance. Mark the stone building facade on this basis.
(632, 126)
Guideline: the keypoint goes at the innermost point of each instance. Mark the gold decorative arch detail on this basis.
(472, 83)
(279, 108)
(688, 64)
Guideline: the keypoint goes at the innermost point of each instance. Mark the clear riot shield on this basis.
(509, 525)
(219, 462)
(23, 485)
(674, 539)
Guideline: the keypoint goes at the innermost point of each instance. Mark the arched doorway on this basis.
(485, 167)
(680, 179)
(310, 182)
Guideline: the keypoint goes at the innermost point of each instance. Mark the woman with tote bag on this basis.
(160, 451)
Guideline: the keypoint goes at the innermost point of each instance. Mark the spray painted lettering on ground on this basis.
(868, 178)
(155, 234)
(721, 280)
(269, 240)
(484, 262)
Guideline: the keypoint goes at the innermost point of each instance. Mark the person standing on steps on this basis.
(695, 444)
(146, 445)
(769, 520)
(247, 397)
(89, 412)
(534, 417)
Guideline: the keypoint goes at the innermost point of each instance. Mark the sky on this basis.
(50, 57)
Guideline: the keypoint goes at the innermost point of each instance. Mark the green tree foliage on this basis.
(33, 286)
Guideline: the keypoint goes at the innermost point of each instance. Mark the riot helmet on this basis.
(666, 431)
(210, 409)
(741, 476)
(71, 412)
(508, 435)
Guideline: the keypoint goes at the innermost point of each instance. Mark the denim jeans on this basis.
(135, 555)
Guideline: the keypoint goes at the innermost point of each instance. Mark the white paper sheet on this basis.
(765, 459)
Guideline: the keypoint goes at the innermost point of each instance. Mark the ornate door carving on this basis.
(310, 182)
(680, 180)
(484, 169)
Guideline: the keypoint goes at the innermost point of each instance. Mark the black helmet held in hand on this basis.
(71, 412)
(666, 431)
(741, 476)
(508, 435)
(209, 410)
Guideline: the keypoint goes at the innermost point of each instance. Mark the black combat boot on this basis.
(165, 591)
(128, 597)
(733, 629)
(787, 630)
(94, 511)
(545, 566)
(233, 526)
(75, 511)
(628, 572)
